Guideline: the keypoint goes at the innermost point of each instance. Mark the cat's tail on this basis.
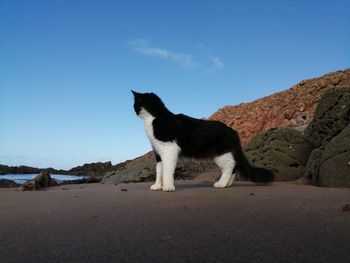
(255, 174)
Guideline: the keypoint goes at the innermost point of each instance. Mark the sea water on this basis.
(22, 178)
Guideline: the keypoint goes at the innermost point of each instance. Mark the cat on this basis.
(172, 135)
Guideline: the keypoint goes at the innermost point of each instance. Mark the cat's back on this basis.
(181, 127)
(201, 138)
(190, 122)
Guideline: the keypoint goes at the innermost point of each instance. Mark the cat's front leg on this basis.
(169, 159)
(158, 185)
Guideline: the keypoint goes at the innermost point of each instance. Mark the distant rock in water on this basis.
(4, 169)
(42, 180)
(89, 169)
(5, 183)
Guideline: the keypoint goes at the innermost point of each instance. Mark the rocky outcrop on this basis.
(329, 132)
(139, 170)
(92, 169)
(294, 107)
(283, 150)
(88, 169)
(142, 169)
(4, 169)
(5, 183)
(42, 180)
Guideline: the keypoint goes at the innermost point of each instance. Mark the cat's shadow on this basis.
(209, 184)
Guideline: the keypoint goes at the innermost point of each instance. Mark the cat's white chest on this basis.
(148, 122)
(159, 146)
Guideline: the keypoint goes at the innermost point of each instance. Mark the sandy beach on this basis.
(283, 222)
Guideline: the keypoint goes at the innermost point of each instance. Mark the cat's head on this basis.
(148, 103)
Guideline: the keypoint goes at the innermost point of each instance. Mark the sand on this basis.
(284, 222)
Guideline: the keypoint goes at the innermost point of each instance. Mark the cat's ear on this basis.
(136, 94)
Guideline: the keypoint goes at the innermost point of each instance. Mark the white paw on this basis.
(220, 184)
(168, 188)
(156, 187)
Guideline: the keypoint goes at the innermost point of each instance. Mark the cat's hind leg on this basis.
(226, 163)
(232, 178)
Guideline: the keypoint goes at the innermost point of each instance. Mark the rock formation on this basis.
(142, 169)
(294, 107)
(4, 169)
(329, 132)
(138, 170)
(284, 150)
(335, 162)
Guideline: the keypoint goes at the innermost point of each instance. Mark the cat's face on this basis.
(137, 102)
(149, 102)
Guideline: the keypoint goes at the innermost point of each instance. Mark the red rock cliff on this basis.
(294, 107)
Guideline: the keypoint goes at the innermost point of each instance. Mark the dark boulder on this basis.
(42, 180)
(332, 115)
(334, 167)
(283, 150)
(328, 164)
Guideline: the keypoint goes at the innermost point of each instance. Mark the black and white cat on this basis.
(172, 135)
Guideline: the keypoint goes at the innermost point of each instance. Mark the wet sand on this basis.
(283, 222)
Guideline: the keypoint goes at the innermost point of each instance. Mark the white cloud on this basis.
(217, 62)
(144, 47)
(209, 62)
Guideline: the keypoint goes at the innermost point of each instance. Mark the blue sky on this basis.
(67, 67)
